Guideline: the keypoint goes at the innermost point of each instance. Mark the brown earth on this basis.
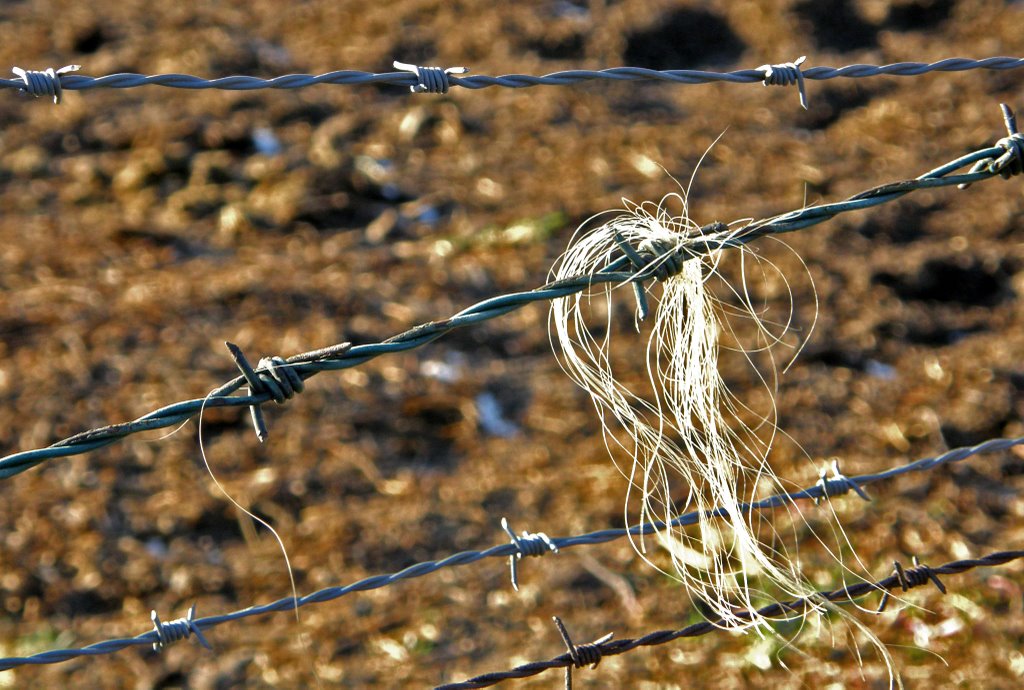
(142, 228)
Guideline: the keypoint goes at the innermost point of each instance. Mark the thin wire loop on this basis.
(45, 82)
(787, 74)
(431, 79)
(280, 379)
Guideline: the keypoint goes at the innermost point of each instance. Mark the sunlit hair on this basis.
(684, 430)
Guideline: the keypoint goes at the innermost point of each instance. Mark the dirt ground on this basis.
(142, 228)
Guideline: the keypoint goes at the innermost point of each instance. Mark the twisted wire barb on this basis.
(46, 82)
(787, 74)
(431, 79)
(631, 267)
(916, 576)
(505, 550)
(427, 78)
(178, 629)
(838, 484)
(527, 544)
(607, 648)
(581, 655)
(277, 379)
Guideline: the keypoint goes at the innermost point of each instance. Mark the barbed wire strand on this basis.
(999, 160)
(439, 80)
(823, 489)
(610, 647)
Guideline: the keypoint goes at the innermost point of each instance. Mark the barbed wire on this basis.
(275, 378)
(825, 488)
(51, 82)
(904, 579)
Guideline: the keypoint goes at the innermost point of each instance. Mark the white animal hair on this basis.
(687, 430)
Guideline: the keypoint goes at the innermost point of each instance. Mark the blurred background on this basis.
(142, 228)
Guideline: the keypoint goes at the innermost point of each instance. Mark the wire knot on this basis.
(786, 74)
(583, 655)
(915, 576)
(836, 485)
(527, 544)
(659, 259)
(274, 377)
(46, 82)
(431, 79)
(1012, 161)
(175, 630)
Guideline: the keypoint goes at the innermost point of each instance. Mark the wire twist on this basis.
(660, 260)
(178, 629)
(431, 79)
(130, 80)
(583, 655)
(843, 595)
(506, 549)
(527, 544)
(787, 74)
(1011, 162)
(919, 574)
(617, 271)
(45, 82)
(836, 485)
(274, 377)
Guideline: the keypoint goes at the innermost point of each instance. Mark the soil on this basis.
(142, 228)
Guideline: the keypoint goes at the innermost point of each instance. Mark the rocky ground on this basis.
(142, 228)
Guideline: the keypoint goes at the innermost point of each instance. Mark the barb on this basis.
(630, 267)
(844, 595)
(279, 381)
(178, 629)
(915, 577)
(787, 74)
(838, 484)
(413, 79)
(583, 655)
(46, 82)
(1011, 162)
(505, 550)
(431, 79)
(528, 544)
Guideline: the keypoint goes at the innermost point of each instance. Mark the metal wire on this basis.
(987, 163)
(508, 549)
(414, 77)
(787, 74)
(179, 629)
(608, 647)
